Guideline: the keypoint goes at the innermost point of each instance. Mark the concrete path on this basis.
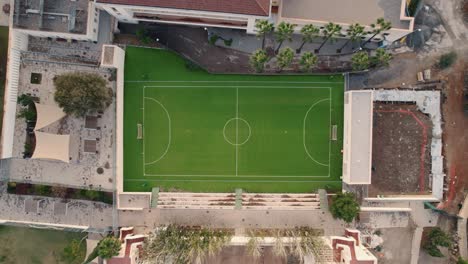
(4, 18)
(146, 220)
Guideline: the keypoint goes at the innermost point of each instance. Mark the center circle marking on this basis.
(240, 120)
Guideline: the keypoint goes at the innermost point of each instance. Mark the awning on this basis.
(50, 146)
(47, 114)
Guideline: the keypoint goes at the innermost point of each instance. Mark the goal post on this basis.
(140, 131)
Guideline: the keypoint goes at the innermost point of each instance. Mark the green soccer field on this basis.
(190, 130)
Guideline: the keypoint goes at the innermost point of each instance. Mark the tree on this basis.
(360, 61)
(182, 244)
(285, 58)
(258, 60)
(309, 32)
(79, 93)
(435, 239)
(263, 27)
(108, 247)
(344, 206)
(73, 253)
(308, 60)
(354, 32)
(381, 58)
(284, 32)
(330, 31)
(377, 28)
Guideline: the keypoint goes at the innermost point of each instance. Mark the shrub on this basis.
(258, 59)
(344, 206)
(462, 261)
(108, 247)
(228, 42)
(447, 60)
(213, 39)
(435, 239)
(25, 100)
(80, 93)
(11, 187)
(412, 7)
(143, 35)
(27, 113)
(192, 66)
(42, 190)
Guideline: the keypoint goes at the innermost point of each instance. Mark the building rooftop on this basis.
(63, 16)
(364, 12)
(358, 137)
(246, 7)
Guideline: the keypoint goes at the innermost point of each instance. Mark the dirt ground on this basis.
(396, 246)
(455, 135)
(237, 254)
(401, 161)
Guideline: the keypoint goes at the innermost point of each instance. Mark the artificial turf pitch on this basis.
(214, 133)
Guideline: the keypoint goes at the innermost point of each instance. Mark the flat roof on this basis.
(358, 137)
(364, 12)
(247, 7)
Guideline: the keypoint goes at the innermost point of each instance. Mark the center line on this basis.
(237, 127)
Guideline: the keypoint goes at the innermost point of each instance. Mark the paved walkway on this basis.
(4, 18)
(250, 43)
(146, 220)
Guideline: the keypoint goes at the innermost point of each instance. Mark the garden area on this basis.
(59, 192)
(22, 245)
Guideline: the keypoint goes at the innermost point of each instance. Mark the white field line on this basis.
(233, 175)
(237, 130)
(143, 81)
(169, 131)
(143, 132)
(329, 135)
(304, 134)
(232, 86)
(160, 180)
(188, 175)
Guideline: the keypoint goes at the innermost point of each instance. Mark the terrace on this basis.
(364, 12)
(56, 16)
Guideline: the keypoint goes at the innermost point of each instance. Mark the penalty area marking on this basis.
(169, 131)
(304, 134)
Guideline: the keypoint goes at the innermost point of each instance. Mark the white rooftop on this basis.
(357, 147)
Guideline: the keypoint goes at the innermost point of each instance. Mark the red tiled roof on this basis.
(246, 7)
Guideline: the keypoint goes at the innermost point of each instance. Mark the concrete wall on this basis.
(125, 13)
(17, 42)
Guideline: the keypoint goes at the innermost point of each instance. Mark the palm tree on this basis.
(308, 60)
(108, 247)
(279, 247)
(309, 32)
(379, 27)
(360, 61)
(258, 60)
(253, 246)
(381, 58)
(284, 32)
(330, 31)
(264, 27)
(183, 244)
(354, 32)
(285, 58)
